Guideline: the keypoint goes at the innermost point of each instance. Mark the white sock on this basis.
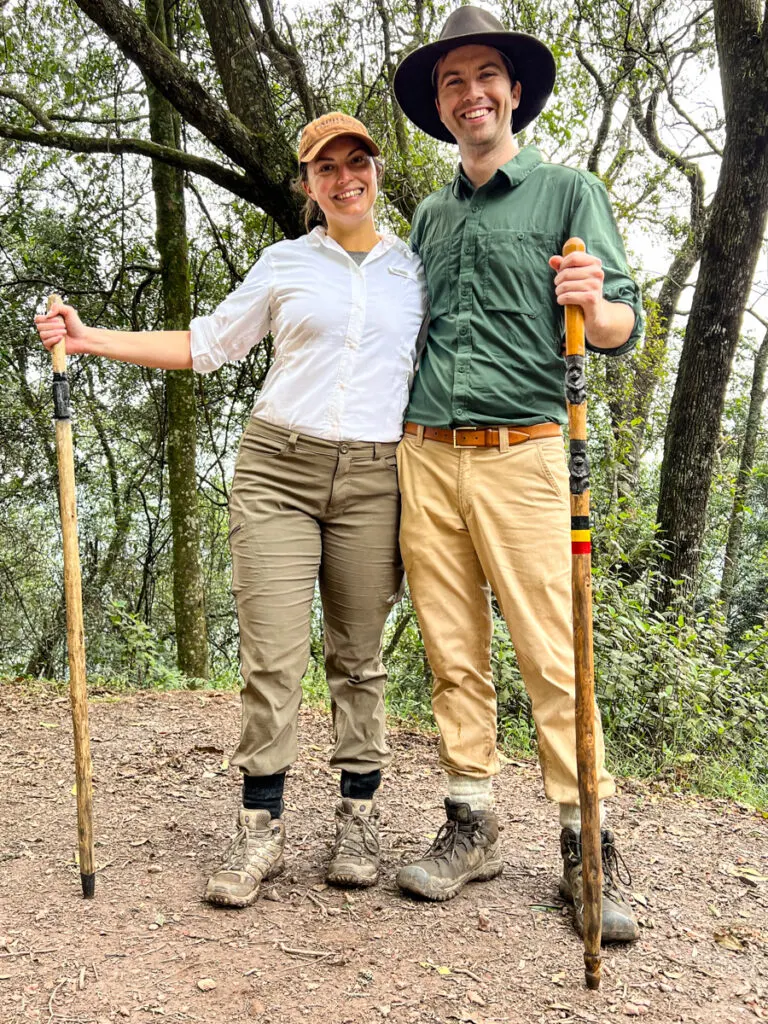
(478, 793)
(570, 816)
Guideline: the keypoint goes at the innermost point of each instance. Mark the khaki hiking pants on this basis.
(478, 516)
(303, 508)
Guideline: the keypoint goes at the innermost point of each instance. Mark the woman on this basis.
(315, 488)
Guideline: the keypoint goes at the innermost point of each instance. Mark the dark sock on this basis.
(360, 786)
(264, 793)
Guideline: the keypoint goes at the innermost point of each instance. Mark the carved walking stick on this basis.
(74, 604)
(581, 576)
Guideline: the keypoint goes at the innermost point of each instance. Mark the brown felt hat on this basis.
(320, 132)
(532, 64)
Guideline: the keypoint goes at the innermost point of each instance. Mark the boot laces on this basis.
(358, 836)
(453, 834)
(613, 862)
(238, 851)
(238, 854)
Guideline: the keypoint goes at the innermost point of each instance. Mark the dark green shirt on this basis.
(493, 354)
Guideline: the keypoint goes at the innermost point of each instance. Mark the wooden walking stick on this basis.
(581, 577)
(74, 604)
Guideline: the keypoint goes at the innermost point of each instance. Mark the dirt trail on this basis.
(501, 951)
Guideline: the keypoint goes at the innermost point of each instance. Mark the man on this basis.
(487, 506)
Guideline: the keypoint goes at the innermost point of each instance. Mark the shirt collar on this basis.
(318, 236)
(513, 172)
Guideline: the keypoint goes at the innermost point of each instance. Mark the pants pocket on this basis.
(552, 462)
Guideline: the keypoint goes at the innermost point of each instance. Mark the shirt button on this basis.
(343, 449)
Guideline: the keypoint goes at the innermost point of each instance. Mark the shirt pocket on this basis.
(440, 259)
(516, 275)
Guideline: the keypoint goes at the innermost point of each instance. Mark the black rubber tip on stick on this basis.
(89, 885)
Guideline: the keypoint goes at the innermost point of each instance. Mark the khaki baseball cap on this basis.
(320, 132)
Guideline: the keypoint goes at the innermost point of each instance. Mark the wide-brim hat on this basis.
(532, 60)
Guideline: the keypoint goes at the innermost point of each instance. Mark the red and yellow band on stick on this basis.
(74, 604)
(581, 577)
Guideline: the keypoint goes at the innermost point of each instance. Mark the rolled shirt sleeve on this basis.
(237, 324)
(592, 220)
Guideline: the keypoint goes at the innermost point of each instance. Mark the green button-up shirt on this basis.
(493, 354)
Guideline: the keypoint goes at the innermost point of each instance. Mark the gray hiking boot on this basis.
(466, 849)
(255, 855)
(619, 922)
(355, 855)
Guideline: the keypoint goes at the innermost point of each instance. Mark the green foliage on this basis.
(682, 698)
(671, 689)
(141, 657)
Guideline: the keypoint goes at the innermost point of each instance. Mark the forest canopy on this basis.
(147, 155)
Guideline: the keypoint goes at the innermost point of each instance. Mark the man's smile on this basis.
(476, 113)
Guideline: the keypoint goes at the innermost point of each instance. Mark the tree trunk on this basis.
(632, 382)
(171, 236)
(731, 246)
(746, 464)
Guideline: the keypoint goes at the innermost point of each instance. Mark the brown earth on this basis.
(501, 951)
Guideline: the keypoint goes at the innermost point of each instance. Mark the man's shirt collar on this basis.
(513, 172)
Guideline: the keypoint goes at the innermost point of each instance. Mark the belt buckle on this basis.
(455, 443)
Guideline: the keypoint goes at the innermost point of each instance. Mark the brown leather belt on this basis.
(484, 437)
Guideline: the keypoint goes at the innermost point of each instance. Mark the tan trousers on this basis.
(480, 516)
(303, 509)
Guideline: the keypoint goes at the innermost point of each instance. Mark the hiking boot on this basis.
(255, 855)
(355, 854)
(466, 849)
(619, 922)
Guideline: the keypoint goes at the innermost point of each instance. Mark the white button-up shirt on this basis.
(346, 337)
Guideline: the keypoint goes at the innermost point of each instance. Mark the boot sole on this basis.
(222, 899)
(348, 882)
(484, 873)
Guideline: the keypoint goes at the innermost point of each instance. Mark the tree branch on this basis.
(28, 104)
(608, 99)
(234, 274)
(177, 83)
(699, 131)
(292, 62)
(645, 121)
(239, 184)
(113, 122)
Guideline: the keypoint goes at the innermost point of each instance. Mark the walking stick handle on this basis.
(59, 351)
(574, 315)
(581, 579)
(73, 595)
